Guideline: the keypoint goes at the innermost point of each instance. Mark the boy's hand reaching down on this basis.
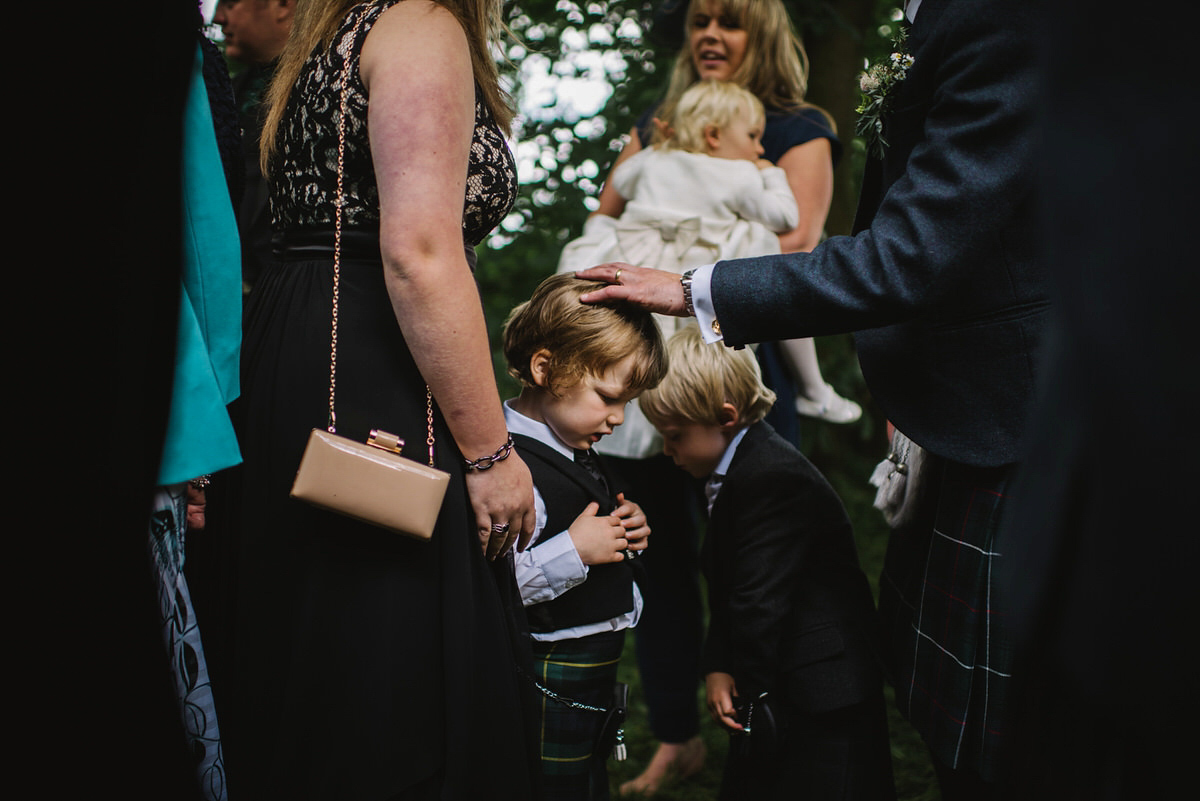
(720, 690)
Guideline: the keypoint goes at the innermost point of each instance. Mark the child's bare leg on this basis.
(671, 761)
(815, 397)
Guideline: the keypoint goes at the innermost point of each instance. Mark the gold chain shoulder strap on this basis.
(337, 264)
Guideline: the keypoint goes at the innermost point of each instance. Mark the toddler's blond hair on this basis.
(710, 103)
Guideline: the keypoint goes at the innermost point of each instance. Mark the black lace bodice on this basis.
(304, 167)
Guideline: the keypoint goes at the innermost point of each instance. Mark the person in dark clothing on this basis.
(255, 32)
(791, 634)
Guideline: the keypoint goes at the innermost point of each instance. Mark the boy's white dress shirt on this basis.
(546, 572)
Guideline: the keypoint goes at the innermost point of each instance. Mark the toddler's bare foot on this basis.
(672, 761)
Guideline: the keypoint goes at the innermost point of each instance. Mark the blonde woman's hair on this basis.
(581, 338)
(315, 23)
(710, 103)
(775, 66)
(702, 378)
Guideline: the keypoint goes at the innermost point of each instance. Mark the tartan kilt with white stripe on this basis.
(948, 649)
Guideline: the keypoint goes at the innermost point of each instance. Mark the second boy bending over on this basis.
(578, 366)
(792, 622)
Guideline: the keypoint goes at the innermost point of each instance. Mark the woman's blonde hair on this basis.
(581, 338)
(315, 23)
(775, 66)
(702, 378)
(710, 103)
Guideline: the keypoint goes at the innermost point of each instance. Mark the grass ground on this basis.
(846, 455)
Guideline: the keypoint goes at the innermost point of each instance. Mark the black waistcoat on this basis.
(567, 489)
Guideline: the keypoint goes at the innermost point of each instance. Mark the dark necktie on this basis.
(586, 459)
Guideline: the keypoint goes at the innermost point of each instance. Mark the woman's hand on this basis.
(502, 496)
(653, 290)
(633, 519)
(197, 502)
(720, 690)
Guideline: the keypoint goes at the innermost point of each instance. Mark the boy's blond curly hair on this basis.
(702, 378)
(581, 338)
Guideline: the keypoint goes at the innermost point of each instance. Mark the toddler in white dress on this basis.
(700, 195)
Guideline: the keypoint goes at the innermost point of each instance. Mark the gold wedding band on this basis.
(617, 277)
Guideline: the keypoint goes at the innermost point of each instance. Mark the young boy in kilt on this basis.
(578, 366)
(791, 620)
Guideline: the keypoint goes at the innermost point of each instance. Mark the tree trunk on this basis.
(834, 33)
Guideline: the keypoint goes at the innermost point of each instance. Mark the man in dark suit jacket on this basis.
(255, 32)
(942, 285)
(1101, 543)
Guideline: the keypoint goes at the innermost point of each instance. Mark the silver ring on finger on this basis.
(499, 528)
(630, 555)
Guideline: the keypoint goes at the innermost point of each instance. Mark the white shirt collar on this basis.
(712, 487)
(520, 424)
(910, 9)
(727, 457)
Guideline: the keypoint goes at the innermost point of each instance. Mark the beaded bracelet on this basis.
(484, 462)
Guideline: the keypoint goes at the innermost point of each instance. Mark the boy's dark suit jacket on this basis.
(791, 611)
(941, 279)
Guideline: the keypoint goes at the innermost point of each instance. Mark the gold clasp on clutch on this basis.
(385, 441)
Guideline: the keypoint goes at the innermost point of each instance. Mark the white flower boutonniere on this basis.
(877, 85)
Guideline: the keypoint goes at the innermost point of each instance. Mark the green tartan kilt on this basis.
(585, 671)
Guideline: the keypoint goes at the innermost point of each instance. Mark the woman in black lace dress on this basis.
(370, 665)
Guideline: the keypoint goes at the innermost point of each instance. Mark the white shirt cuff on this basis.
(547, 571)
(706, 315)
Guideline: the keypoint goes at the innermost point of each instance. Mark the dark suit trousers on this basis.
(841, 754)
(776, 375)
(671, 632)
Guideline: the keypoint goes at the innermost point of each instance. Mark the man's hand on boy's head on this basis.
(599, 539)
(720, 690)
(633, 519)
(653, 290)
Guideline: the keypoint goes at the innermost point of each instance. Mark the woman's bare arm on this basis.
(611, 203)
(809, 168)
(421, 118)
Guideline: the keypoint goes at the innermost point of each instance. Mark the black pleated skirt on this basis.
(367, 665)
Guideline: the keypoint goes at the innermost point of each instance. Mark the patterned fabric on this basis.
(304, 181)
(168, 524)
(949, 654)
(583, 670)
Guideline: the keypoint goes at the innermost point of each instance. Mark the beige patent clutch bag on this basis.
(368, 481)
(371, 482)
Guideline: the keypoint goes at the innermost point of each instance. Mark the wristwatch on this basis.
(685, 281)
